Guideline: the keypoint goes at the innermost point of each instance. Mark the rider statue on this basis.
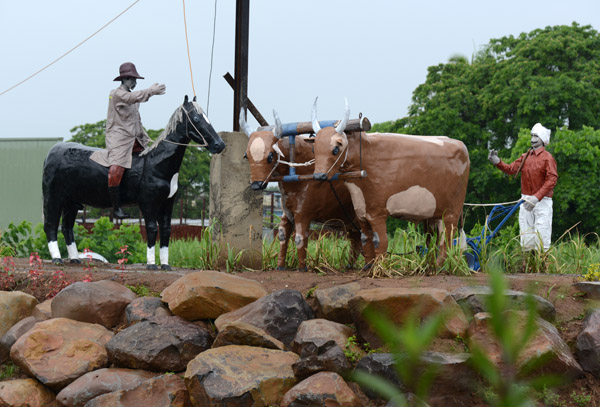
(538, 178)
(125, 134)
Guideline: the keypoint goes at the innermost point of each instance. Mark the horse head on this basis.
(198, 127)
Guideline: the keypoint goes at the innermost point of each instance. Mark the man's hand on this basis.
(493, 157)
(530, 203)
(158, 89)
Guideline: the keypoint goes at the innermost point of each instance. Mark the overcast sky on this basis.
(374, 52)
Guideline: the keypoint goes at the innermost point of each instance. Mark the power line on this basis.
(71, 50)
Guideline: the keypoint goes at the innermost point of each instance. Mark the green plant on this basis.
(352, 355)
(8, 371)
(233, 261)
(549, 398)
(142, 290)
(581, 400)
(310, 292)
(18, 238)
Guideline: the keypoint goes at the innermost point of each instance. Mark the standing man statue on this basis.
(125, 134)
(538, 178)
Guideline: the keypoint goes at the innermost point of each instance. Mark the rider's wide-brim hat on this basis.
(127, 70)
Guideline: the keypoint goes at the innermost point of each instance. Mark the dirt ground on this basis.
(558, 289)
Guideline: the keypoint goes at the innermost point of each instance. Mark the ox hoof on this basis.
(75, 261)
(57, 261)
(151, 267)
(165, 267)
(303, 269)
(367, 267)
(349, 266)
(280, 268)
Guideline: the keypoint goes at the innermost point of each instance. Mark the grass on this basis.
(407, 255)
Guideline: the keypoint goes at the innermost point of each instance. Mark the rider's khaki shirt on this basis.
(123, 127)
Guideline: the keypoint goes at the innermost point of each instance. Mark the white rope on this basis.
(492, 204)
(305, 164)
(69, 51)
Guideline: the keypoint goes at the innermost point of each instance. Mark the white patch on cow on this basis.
(150, 255)
(174, 183)
(416, 203)
(257, 149)
(299, 241)
(281, 234)
(54, 250)
(72, 250)
(164, 255)
(288, 214)
(375, 240)
(358, 200)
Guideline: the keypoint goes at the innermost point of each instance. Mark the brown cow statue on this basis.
(302, 201)
(416, 178)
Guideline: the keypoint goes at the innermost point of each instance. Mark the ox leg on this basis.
(355, 247)
(380, 239)
(68, 221)
(283, 234)
(301, 240)
(447, 228)
(368, 247)
(52, 212)
(165, 233)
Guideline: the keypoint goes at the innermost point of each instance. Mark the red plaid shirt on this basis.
(538, 175)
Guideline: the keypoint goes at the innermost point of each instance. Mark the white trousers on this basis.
(536, 226)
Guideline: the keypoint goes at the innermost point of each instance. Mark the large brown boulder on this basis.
(587, 347)
(332, 303)
(240, 376)
(545, 345)
(25, 392)
(161, 391)
(99, 382)
(60, 350)
(100, 302)
(321, 389)
(11, 336)
(14, 306)
(400, 303)
(161, 344)
(279, 314)
(208, 294)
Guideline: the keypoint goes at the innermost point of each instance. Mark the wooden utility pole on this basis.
(240, 93)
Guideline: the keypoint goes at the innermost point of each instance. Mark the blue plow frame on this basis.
(476, 243)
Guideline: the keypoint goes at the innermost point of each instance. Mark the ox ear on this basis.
(310, 140)
(338, 139)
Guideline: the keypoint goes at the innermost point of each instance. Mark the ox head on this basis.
(331, 146)
(262, 151)
(199, 129)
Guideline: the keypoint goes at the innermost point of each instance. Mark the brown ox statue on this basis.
(302, 201)
(416, 178)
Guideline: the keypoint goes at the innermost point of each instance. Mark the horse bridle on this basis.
(189, 120)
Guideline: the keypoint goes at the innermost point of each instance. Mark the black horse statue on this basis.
(71, 180)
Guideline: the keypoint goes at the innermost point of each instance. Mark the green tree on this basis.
(549, 75)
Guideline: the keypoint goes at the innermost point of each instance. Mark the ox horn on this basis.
(278, 129)
(245, 126)
(315, 123)
(342, 126)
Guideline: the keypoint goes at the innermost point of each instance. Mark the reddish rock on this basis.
(25, 393)
(398, 303)
(99, 302)
(42, 311)
(208, 294)
(99, 382)
(60, 350)
(237, 376)
(14, 306)
(161, 391)
(321, 389)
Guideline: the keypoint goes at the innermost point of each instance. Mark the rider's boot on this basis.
(115, 199)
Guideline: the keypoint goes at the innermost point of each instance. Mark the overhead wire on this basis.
(71, 50)
(187, 43)
(212, 51)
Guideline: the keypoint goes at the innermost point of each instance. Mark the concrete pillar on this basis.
(236, 208)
